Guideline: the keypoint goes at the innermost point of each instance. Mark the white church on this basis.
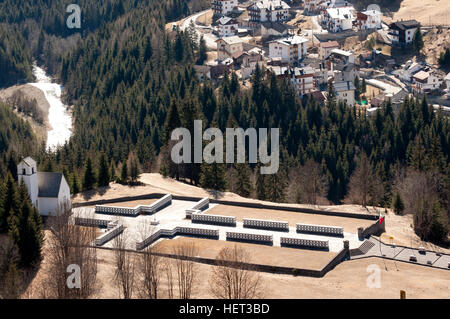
(47, 191)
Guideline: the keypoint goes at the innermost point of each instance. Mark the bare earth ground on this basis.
(31, 93)
(347, 280)
(272, 256)
(425, 11)
(350, 224)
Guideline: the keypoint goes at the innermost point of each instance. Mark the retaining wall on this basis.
(230, 203)
(109, 235)
(320, 229)
(266, 224)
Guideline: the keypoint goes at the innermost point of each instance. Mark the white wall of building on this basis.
(29, 176)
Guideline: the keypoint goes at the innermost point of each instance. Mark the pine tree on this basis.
(124, 172)
(103, 173)
(213, 176)
(418, 40)
(261, 192)
(75, 188)
(202, 51)
(243, 184)
(398, 204)
(30, 238)
(89, 176)
(112, 172)
(11, 203)
(276, 187)
(134, 167)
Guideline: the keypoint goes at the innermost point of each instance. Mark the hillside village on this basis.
(310, 45)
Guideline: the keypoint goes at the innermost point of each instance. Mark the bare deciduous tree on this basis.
(168, 271)
(69, 244)
(124, 276)
(365, 186)
(149, 272)
(311, 182)
(233, 277)
(186, 269)
(422, 197)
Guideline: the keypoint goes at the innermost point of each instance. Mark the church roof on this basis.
(49, 184)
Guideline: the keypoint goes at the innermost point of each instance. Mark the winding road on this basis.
(210, 39)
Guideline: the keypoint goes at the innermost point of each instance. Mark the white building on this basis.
(407, 70)
(228, 46)
(342, 55)
(345, 92)
(447, 84)
(426, 81)
(301, 78)
(338, 19)
(48, 191)
(370, 19)
(227, 27)
(291, 49)
(268, 10)
(223, 7)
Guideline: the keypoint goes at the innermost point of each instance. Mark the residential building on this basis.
(312, 5)
(227, 27)
(268, 10)
(228, 46)
(223, 7)
(426, 81)
(302, 78)
(402, 32)
(387, 91)
(447, 84)
(338, 19)
(325, 48)
(346, 73)
(370, 19)
(275, 29)
(48, 192)
(290, 50)
(345, 92)
(406, 72)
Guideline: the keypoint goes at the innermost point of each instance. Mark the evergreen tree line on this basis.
(15, 57)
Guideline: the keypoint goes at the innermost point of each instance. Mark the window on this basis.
(24, 172)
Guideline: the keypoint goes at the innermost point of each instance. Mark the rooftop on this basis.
(341, 13)
(421, 75)
(343, 86)
(342, 52)
(230, 40)
(329, 44)
(271, 4)
(404, 25)
(49, 184)
(296, 39)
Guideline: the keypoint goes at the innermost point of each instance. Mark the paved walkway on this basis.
(401, 253)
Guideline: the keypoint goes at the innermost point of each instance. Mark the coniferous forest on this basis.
(131, 83)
